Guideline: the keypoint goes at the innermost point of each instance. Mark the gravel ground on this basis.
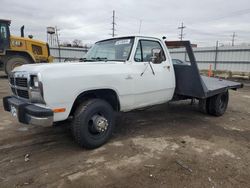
(172, 145)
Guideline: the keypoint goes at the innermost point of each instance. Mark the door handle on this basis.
(166, 67)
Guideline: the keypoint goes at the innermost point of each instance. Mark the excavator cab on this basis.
(4, 35)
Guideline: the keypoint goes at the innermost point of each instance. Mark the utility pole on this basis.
(113, 24)
(233, 38)
(182, 27)
(58, 43)
(216, 54)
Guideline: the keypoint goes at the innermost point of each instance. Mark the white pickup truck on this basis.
(118, 74)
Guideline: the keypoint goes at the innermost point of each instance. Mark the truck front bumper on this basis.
(28, 113)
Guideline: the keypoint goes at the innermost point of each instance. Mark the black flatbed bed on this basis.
(189, 82)
(217, 85)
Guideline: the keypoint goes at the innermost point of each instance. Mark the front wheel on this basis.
(93, 123)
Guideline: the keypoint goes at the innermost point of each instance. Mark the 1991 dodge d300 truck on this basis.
(118, 74)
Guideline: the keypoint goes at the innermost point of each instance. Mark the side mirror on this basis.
(156, 55)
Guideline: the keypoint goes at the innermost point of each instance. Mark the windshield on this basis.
(110, 50)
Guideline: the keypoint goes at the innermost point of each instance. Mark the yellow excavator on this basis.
(16, 51)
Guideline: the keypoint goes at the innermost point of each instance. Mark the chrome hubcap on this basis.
(100, 123)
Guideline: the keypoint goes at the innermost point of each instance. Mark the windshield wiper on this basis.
(116, 60)
(102, 59)
(85, 60)
(99, 58)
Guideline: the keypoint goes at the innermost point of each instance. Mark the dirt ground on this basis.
(172, 145)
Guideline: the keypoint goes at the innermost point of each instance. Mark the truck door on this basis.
(154, 83)
(4, 37)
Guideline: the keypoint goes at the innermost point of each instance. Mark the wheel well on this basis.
(24, 54)
(108, 95)
(1, 64)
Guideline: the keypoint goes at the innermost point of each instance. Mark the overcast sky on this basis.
(90, 20)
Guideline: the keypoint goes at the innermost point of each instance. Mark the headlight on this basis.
(36, 89)
(34, 82)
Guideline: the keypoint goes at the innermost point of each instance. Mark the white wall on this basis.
(67, 53)
(228, 58)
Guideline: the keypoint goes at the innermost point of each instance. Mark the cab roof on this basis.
(5, 21)
(130, 36)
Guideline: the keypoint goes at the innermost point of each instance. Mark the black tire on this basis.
(1, 65)
(83, 130)
(15, 61)
(204, 105)
(218, 104)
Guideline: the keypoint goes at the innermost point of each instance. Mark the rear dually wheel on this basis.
(218, 104)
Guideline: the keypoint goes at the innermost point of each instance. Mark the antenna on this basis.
(140, 26)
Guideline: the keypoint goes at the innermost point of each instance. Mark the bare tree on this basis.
(77, 43)
(66, 44)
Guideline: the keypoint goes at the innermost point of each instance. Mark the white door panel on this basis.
(152, 88)
(155, 85)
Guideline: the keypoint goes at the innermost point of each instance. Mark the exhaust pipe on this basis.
(22, 31)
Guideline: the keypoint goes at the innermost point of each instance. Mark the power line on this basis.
(229, 15)
(182, 27)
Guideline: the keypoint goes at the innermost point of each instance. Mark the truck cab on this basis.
(150, 72)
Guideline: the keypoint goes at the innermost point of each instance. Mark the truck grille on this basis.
(22, 93)
(19, 85)
(22, 82)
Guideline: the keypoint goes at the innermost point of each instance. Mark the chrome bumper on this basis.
(41, 121)
(28, 113)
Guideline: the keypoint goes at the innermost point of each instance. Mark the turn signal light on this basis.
(57, 110)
